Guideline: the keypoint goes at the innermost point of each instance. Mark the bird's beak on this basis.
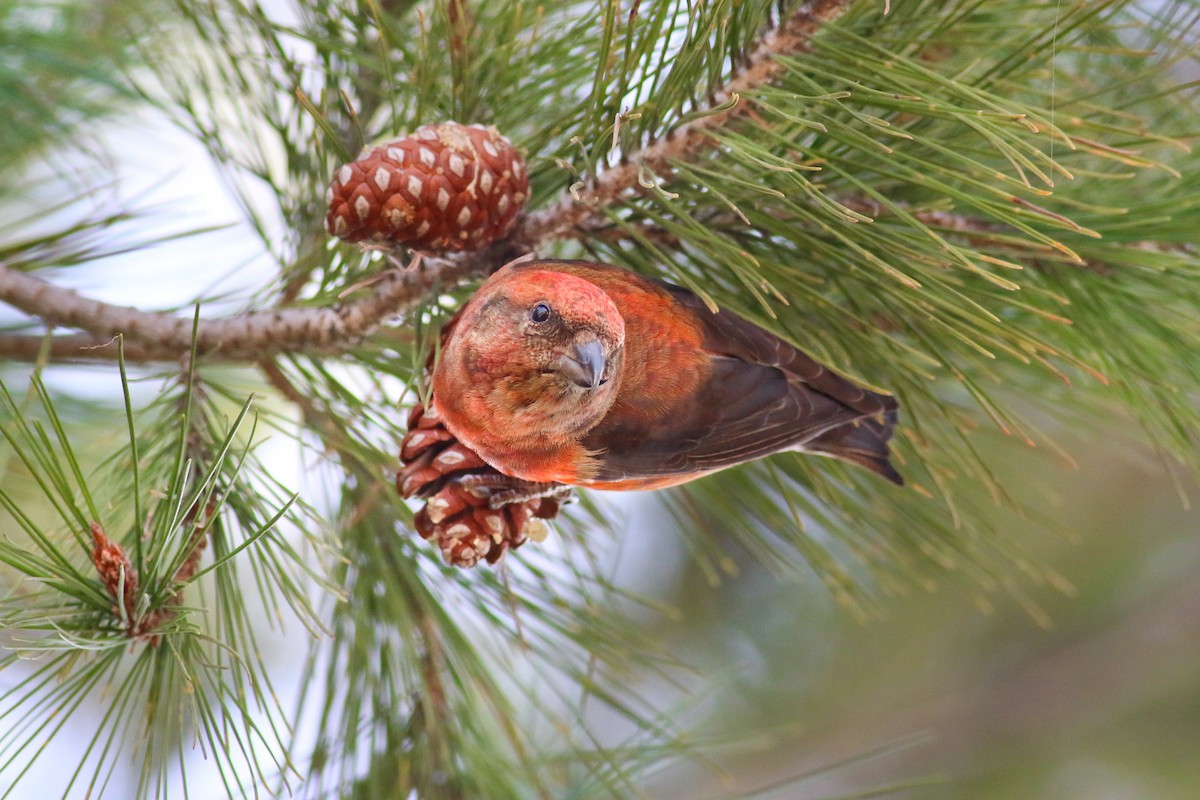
(584, 364)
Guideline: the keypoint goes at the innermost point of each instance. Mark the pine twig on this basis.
(948, 220)
(975, 231)
(972, 228)
(578, 209)
(80, 348)
(315, 417)
(245, 337)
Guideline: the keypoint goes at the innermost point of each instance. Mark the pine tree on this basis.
(986, 208)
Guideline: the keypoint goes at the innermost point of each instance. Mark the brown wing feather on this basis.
(742, 412)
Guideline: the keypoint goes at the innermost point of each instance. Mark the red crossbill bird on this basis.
(586, 374)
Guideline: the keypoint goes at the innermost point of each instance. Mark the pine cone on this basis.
(460, 486)
(445, 187)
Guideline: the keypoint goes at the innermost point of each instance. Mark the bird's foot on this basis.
(502, 490)
(530, 491)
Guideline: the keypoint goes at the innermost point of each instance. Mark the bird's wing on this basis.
(753, 394)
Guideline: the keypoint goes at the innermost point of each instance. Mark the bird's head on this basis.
(544, 346)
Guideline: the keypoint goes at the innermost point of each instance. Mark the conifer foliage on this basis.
(986, 208)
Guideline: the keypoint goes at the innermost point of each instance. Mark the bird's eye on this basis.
(540, 313)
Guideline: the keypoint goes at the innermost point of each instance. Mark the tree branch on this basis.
(78, 349)
(158, 336)
(246, 337)
(973, 229)
(794, 35)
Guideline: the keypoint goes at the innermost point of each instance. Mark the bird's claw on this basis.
(530, 491)
(472, 512)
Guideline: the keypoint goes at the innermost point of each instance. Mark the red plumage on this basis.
(585, 374)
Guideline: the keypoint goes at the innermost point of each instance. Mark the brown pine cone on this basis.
(462, 490)
(445, 187)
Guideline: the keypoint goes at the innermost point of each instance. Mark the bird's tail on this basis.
(863, 442)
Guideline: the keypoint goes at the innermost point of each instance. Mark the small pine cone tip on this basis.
(445, 187)
(460, 489)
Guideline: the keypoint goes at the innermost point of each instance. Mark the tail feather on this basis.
(863, 442)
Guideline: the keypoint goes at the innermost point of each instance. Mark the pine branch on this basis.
(975, 231)
(577, 208)
(247, 337)
(80, 348)
(156, 336)
(869, 208)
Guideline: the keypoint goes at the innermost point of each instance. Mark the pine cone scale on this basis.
(459, 488)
